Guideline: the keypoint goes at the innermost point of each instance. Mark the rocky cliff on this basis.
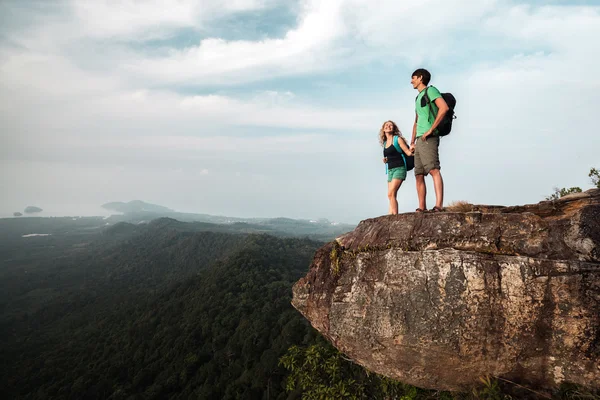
(439, 300)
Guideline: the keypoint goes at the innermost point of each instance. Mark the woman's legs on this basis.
(393, 187)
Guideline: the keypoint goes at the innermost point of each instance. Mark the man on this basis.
(425, 141)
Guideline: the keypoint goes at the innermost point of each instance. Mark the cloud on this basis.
(336, 34)
(413, 29)
(127, 18)
(307, 48)
(144, 20)
(547, 25)
(52, 75)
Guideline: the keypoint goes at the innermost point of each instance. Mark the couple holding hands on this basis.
(430, 108)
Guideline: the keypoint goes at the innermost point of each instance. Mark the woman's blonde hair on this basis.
(395, 131)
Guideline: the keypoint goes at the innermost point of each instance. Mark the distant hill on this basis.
(138, 212)
(121, 228)
(135, 206)
(319, 230)
(32, 209)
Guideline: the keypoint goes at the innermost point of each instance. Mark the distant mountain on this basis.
(32, 209)
(17, 214)
(319, 230)
(138, 212)
(135, 206)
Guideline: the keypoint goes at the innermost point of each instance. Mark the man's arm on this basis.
(442, 110)
(414, 133)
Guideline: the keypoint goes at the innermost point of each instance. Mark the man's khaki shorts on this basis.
(427, 155)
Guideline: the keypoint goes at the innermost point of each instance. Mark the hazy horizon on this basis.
(61, 211)
(98, 211)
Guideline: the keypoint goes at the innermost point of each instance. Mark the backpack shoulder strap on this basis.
(397, 145)
(386, 164)
(431, 113)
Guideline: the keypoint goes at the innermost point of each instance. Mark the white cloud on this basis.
(149, 113)
(53, 75)
(289, 144)
(104, 18)
(412, 28)
(307, 48)
(336, 34)
(563, 27)
(134, 19)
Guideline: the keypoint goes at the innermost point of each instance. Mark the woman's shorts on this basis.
(397, 173)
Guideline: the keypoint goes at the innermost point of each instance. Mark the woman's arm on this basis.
(403, 146)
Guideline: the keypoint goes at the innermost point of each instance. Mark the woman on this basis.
(396, 169)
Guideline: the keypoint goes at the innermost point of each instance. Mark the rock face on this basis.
(439, 300)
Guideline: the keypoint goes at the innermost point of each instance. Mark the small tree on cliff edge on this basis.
(595, 176)
(558, 193)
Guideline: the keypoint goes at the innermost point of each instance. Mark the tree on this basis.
(595, 177)
(321, 372)
(558, 193)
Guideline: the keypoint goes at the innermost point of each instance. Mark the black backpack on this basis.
(445, 125)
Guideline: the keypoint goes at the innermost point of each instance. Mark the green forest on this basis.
(156, 312)
(170, 310)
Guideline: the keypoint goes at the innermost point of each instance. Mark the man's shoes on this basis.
(420, 210)
(437, 209)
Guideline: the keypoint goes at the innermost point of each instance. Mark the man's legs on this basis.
(420, 176)
(438, 185)
(421, 191)
(429, 163)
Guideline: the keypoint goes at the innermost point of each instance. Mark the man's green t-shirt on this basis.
(424, 117)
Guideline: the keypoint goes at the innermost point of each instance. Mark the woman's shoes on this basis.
(420, 210)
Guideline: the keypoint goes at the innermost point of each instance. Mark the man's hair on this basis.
(423, 73)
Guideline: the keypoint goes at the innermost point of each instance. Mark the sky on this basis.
(265, 108)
